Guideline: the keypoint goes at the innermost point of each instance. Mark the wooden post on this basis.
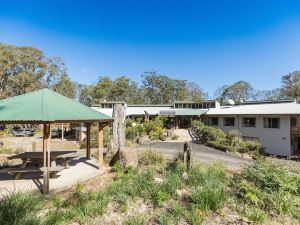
(187, 158)
(88, 141)
(100, 146)
(62, 131)
(45, 149)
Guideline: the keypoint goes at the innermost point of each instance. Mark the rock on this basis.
(143, 140)
(185, 176)
(128, 157)
(170, 133)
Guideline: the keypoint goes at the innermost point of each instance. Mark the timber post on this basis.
(46, 158)
(187, 155)
(100, 145)
(88, 141)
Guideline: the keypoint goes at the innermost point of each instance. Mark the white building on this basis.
(275, 124)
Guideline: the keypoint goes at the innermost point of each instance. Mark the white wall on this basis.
(275, 140)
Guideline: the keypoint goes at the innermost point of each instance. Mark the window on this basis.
(214, 121)
(229, 121)
(271, 123)
(249, 122)
(293, 121)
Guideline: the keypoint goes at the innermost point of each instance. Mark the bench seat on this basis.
(30, 169)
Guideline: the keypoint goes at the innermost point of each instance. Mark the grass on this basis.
(150, 157)
(19, 209)
(6, 150)
(262, 192)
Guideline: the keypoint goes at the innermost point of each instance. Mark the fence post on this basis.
(187, 155)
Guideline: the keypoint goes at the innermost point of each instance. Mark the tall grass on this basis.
(18, 208)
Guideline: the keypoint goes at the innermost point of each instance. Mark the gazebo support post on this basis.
(45, 149)
(88, 141)
(100, 145)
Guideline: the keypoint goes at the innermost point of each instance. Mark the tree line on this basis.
(24, 69)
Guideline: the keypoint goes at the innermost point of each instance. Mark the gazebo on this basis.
(47, 107)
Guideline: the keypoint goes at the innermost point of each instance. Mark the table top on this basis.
(40, 155)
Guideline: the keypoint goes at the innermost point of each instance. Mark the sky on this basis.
(210, 42)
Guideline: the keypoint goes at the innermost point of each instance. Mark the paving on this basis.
(200, 153)
(80, 170)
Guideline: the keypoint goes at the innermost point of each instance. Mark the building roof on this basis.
(46, 106)
(190, 112)
(287, 108)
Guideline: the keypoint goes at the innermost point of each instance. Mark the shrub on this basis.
(268, 186)
(133, 132)
(150, 157)
(216, 138)
(256, 215)
(158, 133)
(94, 137)
(135, 220)
(209, 196)
(6, 150)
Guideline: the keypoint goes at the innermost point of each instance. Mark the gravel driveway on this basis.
(200, 152)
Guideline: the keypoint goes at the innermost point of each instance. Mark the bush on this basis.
(268, 186)
(154, 128)
(6, 150)
(94, 137)
(133, 132)
(216, 138)
(150, 157)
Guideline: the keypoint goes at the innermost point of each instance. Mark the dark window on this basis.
(293, 121)
(271, 122)
(249, 122)
(215, 121)
(229, 121)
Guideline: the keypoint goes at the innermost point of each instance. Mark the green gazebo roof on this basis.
(47, 106)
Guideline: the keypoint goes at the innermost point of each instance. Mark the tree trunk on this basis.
(117, 134)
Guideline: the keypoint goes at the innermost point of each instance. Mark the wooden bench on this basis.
(17, 170)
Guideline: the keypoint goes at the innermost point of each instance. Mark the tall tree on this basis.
(195, 92)
(24, 69)
(120, 89)
(65, 86)
(160, 89)
(291, 84)
(262, 95)
(86, 95)
(239, 92)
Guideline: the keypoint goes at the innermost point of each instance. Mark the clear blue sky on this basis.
(212, 42)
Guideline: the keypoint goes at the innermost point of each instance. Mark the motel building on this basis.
(275, 124)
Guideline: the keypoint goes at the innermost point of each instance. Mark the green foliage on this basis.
(150, 157)
(65, 86)
(6, 150)
(161, 89)
(269, 187)
(256, 215)
(6, 132)
(25, 69)
(154, 128)
(18, 208)
(160, 197)
(133, 132)
(240, 91)
(135, 220)
(216, 138)
(94, 137)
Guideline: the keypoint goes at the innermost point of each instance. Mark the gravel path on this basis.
(200, 152)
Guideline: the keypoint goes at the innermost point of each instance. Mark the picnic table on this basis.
(37, 157)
